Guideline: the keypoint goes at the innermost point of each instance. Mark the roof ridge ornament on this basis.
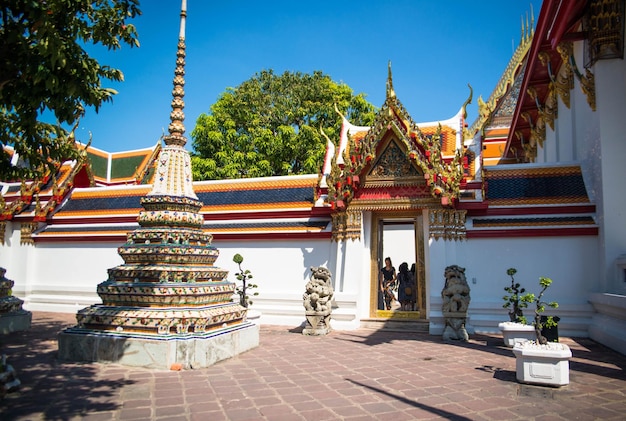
(390, 92)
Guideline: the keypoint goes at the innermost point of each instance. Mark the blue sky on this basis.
(436, 48)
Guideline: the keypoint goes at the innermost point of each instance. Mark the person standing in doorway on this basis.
(405, 287)
(413, 298)
(387, 282)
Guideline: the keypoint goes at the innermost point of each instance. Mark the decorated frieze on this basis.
(168, 236)
(172, 203)
(171, 294)
(170, 254)
(169, 273)
(174, 218)
(160, 321)
(448, 224)
(604, 25)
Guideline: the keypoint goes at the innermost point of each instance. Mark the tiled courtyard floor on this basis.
(348, 375)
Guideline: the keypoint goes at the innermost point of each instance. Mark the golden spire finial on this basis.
(390, 92)
(177, 116)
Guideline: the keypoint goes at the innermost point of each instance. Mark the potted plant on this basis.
(244, 288)
(539, 361)
(517, 328)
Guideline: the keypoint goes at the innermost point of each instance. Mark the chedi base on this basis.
(190, 351)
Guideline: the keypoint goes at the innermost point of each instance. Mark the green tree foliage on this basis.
(45, 71)
(270, 125)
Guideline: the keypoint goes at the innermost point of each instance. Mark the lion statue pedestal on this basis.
(317, 302)
(456, 299)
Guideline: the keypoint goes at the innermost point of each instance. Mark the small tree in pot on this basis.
(244, 277)
(540, 306)
(513, 301)
(539, 361)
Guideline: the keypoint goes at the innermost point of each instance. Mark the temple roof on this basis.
(128, 167)
(523, 199)
(556, 20)
(276, 205)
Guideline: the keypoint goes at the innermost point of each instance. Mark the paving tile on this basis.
(340, 376)
(135, 414)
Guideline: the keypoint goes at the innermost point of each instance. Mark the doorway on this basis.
(400, 237)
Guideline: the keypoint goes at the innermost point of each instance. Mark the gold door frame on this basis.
(418, 228)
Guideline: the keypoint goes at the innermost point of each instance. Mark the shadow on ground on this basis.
(589, 356)
(58, 390)
(436, 411)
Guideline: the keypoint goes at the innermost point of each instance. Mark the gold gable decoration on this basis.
(347, 225)
(393, 163)
(443, 175)
(26, 232)
(3, 225)
(604, 24)
(448, 224)
(560, 85)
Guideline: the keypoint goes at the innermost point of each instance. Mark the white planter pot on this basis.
(513, 333)
(542, 364)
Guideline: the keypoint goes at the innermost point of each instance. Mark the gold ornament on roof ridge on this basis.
(485, 109)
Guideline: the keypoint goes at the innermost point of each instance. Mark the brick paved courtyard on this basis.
(347, 375)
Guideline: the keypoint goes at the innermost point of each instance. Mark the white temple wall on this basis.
(12, 255)
(569, 261)
(611, 103)
(63, 277)
(439, 255)
(281, 269)
(609, 322)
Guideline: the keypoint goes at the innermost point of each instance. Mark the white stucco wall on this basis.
(611, 100)
(569, 261)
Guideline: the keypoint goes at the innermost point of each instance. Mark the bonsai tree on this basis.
(540, 307)
(244, 277)
(513, 300)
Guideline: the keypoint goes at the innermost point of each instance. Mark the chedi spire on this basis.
(177, 116)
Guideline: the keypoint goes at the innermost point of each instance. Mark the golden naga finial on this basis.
(467, 102)
(390, 92)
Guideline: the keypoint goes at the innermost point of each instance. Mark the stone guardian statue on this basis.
(317, 302)
(456, 299)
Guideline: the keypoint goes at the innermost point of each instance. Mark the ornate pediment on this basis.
(393, 163)
(393, 166)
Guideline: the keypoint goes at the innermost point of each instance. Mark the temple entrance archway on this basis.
(400, 236)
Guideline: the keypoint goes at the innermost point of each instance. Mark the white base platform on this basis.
(192, 351)
(15, 322)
